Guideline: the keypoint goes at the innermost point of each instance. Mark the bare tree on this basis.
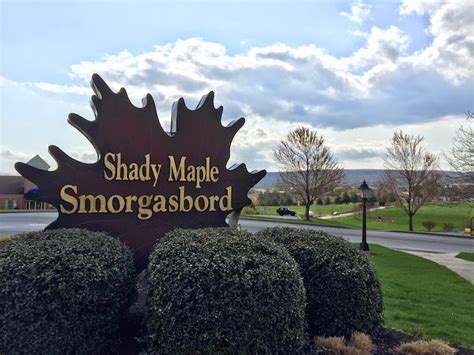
(461, 157)
(307, 166)
(411, 173)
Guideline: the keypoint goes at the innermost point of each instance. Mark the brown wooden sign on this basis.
(146, 181)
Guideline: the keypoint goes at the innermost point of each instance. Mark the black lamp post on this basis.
(364, 194)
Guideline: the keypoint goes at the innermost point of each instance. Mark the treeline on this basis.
(275, 198)
(339, 195)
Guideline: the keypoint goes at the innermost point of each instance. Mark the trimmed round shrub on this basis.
(342, 287)
(63, 291)
(223, 291)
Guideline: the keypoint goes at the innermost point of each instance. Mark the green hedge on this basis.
(63, 291)
(343, 291)
(223, 291)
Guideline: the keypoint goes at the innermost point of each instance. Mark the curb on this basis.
(345, 227)
(292, 222)
(25, 211)
(434, 233)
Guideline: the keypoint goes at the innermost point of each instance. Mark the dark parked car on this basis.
(282, 211)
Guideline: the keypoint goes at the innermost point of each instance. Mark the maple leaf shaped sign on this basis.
(146, 181)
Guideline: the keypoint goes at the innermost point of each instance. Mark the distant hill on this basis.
(354, 178)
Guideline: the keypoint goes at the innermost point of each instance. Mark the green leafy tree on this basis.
(354, 197)
(345, 197)
(338, 190)
(274, 198)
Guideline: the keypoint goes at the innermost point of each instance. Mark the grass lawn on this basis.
(458, 214)
(466, 256)
(396, 219)
(12, 211)
(424, 298)
(24, 210)
(317, 209)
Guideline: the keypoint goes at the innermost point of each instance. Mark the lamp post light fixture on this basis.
(365, 193)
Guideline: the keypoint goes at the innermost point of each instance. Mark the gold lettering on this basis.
(173, 202)
(214, 171)
(144, 202)
(109, 165)
(128, 200)
(144, 169)
(156, 172)
(228, 198)
(200, 176)
(92, 204)
(212, 201)
(182, 199)
(208, 168)
(160, 204)
(133, 173)
(68, 198)
(205, 200)
(121, 203)
(148, 204)
(191, 176)
(174, 172)
(121, 168)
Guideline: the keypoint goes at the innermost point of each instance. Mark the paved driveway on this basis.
(14, 223)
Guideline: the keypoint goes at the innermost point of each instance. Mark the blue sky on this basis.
(58, 34)
(354, 71)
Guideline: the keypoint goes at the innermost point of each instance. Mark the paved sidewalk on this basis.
(288, 217)
(462, 267)
(348, 214)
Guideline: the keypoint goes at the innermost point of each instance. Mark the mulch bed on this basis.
(393, 338)
(385, 343)
(132, 326)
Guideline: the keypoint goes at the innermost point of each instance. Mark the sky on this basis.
(354, 71)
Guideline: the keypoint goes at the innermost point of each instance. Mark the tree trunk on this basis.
(307, 212)
(410, 222)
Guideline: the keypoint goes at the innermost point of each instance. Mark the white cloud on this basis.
(356, 101)
(47, 87)
(303, 84)
(365, 147)
(383, 47)
(359, 12)
(419, 7)
(56, 89)
(8, 158)
(362, 147)
(452, 49)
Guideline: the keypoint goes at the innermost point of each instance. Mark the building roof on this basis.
(38, 162)
(11, 185)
